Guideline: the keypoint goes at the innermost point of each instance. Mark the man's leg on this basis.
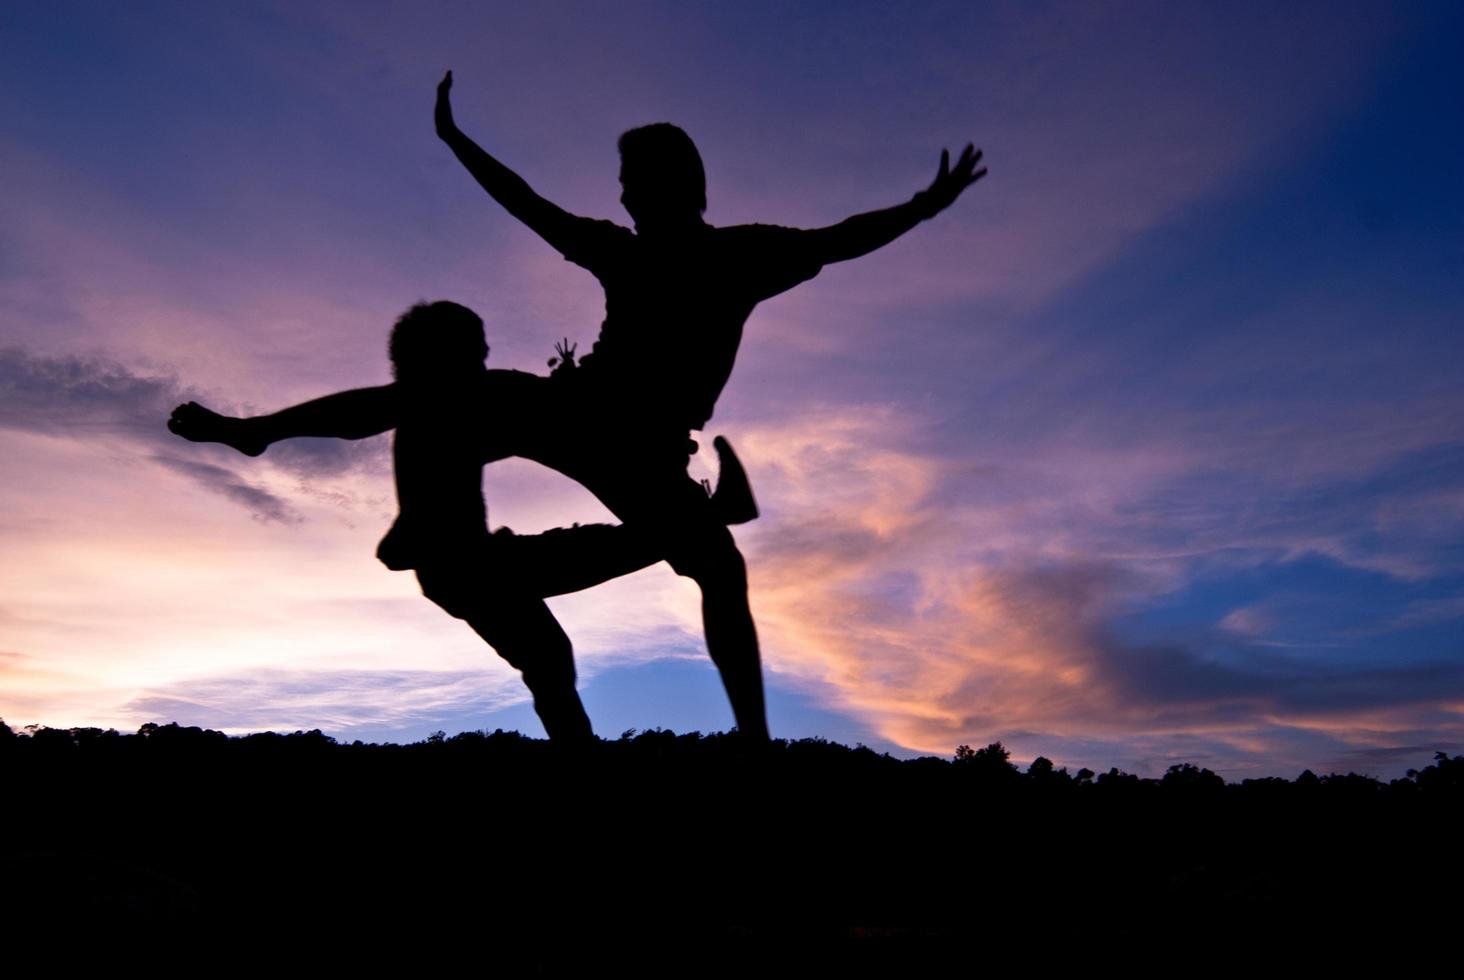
(523, 631)
(354, 414)
(657, 500)
(527, 635)
(717, 567)
(569, 559)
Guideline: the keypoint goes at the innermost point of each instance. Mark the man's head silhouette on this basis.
(433, 342)
(663, 183)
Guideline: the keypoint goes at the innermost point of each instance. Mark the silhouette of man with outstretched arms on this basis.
(677, 294)
(495, 582)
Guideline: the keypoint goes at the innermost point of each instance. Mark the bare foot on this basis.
(198, 424)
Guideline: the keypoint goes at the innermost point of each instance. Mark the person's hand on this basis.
(950, 181)
(442, 115)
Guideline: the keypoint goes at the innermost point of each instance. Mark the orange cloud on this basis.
(939, 621)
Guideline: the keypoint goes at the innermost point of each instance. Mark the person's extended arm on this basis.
(864, 233)
(551, 222)
(352, 414)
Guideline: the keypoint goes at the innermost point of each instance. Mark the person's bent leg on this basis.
(522, 631)
(527, 635)
(569, 559)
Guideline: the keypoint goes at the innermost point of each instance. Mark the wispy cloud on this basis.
(95, 399)
(1425, 612)
(341, 701)
(264, 505)
(80, 397)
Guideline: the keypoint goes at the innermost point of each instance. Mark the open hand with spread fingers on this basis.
(950, 181)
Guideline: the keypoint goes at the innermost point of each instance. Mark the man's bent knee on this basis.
(465, 595)
(710, 558)
(448, 592)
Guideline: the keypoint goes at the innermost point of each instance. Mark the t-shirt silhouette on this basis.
(675, 308)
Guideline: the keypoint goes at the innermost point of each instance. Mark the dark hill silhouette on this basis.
(658, 843)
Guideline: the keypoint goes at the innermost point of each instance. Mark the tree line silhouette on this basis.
(665, 842)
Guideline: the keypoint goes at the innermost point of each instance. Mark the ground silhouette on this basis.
(659, 845)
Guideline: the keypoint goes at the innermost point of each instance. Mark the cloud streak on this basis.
(95, 399)
(264, 505)
(79, 397)
(343, 701)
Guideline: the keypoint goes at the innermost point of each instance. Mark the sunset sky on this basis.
(1149, 450)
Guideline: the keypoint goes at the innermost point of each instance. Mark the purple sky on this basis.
(1151, 449)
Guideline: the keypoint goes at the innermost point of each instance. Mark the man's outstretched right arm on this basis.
(551, 222)
(353, 414)
(863, 233)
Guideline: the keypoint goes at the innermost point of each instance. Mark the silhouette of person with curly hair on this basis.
(496, 582)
